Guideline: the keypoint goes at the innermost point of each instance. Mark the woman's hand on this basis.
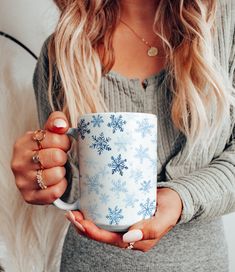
(145, 233)
(52, 157)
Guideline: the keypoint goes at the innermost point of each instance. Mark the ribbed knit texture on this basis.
(206, 183)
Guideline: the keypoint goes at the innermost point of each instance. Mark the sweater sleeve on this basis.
(210, 192)
(40, 84)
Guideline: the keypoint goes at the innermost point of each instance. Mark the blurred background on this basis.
(32, 232)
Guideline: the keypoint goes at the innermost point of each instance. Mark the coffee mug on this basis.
(117, 158)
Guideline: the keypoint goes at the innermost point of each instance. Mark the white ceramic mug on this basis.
(117, 158)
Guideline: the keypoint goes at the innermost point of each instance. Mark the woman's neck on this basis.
(136, 12)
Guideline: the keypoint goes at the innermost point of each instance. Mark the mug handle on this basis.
(58, 202)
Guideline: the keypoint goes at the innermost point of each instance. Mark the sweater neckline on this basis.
(152, 79)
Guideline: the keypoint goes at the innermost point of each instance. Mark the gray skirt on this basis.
(196, 246)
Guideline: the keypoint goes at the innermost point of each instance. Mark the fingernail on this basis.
(79, 226)
(132, 236)
(69, 215)
(60, 123)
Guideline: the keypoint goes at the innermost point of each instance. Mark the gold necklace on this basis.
(152, 51)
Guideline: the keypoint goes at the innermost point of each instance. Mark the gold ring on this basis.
(38, 136)
(36, 158)
(40, 181)
(130, 245)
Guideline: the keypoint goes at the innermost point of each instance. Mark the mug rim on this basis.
(118, 112)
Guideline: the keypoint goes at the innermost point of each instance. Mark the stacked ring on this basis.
(40, 181)
(38, 136)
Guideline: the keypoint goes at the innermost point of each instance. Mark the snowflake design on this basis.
(144, 127)
(116, 123)
(92, 211)
(97, 120)
(83, 128)
(122, 143)
(114, 216)
(117, 165)
(137, 175)
(100, 143)
(142, 153)
(146, 186)
(93, 184)
(90, 163)
(104, 198)
(154, 165)
(147, 208)
(130, 200)
(104, 171)
(118, 187)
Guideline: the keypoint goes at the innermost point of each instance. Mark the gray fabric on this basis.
(206, 183)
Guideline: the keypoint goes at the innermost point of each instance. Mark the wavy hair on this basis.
(201, 97)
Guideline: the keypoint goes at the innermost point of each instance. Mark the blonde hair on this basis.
(201, 97)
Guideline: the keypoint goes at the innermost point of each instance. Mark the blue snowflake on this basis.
(116, 123)
(83, 128)
(90, 163)
(100, 143)
(130, 200)
(93, 184)
(146, 186)
(104, 198)
(92, 212)
(122, 143)
(137, 175)
(104, 171)
(154, 165)
(147, 208)
(144, 127)
(114, 216)
(141, 153)
(117, 165)
(119, 187)
(97, 120)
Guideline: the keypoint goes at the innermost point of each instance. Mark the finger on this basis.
(78, 215)
(47, 196)
(71, 217)
(101, 235)
(145, 245)
(57, 122)
(51, 140)
(50, 177)
(49, 158)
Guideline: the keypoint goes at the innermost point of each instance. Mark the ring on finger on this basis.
(36, 158)
(40, 180)
(38, 136)
(130, 245)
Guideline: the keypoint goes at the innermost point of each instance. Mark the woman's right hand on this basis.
(53, 157)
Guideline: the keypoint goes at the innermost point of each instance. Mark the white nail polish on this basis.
(60, 123)
(69, 215)
(132, 236)
(79, 226)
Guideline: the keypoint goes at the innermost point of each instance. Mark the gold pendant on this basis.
(153, 51)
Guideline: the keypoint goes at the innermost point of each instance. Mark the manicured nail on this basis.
(132, 236)
(79, 226)
(69, 215)
(60, 123)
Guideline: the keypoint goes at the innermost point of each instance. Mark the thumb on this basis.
(57, 122)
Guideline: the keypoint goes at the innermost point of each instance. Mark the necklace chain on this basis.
(152, 51)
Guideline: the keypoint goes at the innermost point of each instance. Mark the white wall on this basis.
(31, 21)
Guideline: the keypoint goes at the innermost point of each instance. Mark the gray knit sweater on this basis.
(206, 183)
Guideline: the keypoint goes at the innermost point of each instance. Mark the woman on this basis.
(157, 57)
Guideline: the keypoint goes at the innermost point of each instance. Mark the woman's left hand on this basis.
(146, 233)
